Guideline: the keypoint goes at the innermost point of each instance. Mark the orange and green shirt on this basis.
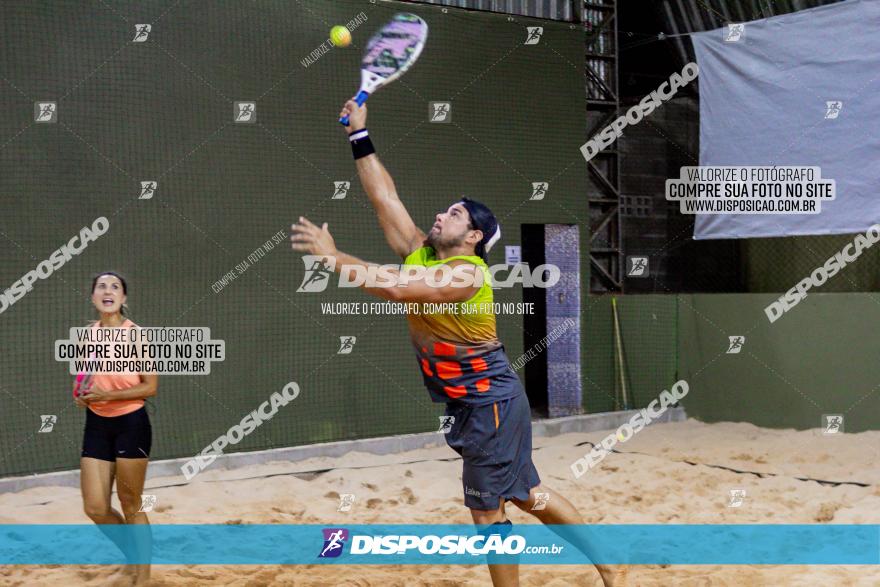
(459, 353)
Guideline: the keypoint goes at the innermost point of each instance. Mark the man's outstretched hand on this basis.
(357, 116)
(307, 237)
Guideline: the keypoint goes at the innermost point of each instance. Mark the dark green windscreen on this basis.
(162, 110)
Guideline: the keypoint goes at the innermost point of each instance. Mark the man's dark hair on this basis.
(482, 219)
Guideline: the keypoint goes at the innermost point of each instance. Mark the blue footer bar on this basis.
(265, 544)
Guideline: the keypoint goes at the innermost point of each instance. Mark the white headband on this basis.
(489, 243)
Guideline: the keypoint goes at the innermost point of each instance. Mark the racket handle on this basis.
(360, 99)
(79, 379)
(83, 380)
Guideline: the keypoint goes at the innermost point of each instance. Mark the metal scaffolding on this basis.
(599, 18)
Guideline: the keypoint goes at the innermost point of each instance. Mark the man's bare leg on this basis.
(502, 575)
(559, 510)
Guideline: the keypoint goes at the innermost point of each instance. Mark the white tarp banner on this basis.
(799, 89)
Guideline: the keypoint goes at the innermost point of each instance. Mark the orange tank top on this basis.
(116, 382)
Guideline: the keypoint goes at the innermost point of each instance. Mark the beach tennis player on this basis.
(461, 359)
(118, 434)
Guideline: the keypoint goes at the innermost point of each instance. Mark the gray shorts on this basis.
(495, 443)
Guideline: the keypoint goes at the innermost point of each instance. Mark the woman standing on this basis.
(118, 435)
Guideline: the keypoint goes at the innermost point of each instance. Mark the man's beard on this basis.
(435, 241)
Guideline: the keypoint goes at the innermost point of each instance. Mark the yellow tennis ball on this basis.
(340, 36)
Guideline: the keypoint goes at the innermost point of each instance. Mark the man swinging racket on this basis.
(462, 361)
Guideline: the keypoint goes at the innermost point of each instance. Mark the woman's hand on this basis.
(79, 401)
(95, 394)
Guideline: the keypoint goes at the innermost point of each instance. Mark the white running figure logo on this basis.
(335, 542)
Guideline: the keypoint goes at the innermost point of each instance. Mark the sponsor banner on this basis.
(251, 544)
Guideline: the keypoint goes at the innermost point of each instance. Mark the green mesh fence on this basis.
(776, 265)
(163, 110)
(648, 326)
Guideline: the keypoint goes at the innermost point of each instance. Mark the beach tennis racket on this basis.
(389, 53)
(83, 381)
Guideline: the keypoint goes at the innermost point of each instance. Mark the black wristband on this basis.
(361, 145)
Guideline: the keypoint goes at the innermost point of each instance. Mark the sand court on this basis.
(679, 473)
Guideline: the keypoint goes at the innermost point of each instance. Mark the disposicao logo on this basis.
(334, 541)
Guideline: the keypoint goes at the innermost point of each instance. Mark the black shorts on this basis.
(129, 436)
(495, 443)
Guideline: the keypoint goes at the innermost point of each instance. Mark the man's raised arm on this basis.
(402, 234)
